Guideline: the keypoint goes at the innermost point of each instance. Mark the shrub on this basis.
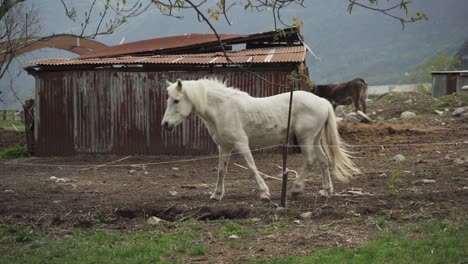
(14, 153)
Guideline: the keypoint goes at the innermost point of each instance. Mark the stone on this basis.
(255, 220)
(280, 209)
(351, 117)
(131, 171)
(297, 221)
(460, 111)
(459, 161)
(407, 115)
(383, 175)
(439, 112)
(409, 101)
(357, 117)
(306, 216)
(62, 180)
(398, 157)
(153, 220)
(233, 237)
(175, 168)
(363, 117)
(146, 173)
(425, 181)
(9, 191)
(173, 193)
(380, 118)
(52, 178)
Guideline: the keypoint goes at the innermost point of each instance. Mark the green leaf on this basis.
(350, 8)
(404, 7)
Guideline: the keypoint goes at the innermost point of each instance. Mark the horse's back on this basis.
(264, 119)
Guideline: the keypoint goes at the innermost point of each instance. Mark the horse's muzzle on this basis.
(167, 126)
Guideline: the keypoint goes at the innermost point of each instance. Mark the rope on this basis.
(235, 153)
(140, 164)
(388, 145)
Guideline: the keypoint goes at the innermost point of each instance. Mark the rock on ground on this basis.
(306, 216)
(460, 111)
(398, 157)
(407, 115)
(153, 220)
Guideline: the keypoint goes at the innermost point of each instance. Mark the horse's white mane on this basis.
(196, 91)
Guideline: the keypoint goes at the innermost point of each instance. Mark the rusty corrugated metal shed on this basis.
(266, 55)
(90, 105)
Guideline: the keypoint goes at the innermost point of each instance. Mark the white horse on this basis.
(237, 121)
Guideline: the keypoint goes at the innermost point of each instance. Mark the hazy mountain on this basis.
(365, 43)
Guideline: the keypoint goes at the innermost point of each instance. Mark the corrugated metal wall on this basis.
(120, 112)
(439, 84)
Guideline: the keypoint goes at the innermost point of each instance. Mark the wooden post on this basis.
(285, 151)
(28, 119)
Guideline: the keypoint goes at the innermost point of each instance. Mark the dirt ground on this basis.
(428, 184)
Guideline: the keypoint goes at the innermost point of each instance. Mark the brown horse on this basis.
(353, 91)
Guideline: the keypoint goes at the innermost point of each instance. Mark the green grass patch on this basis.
(434, 242)
(91, 246)
(14, 153)
(451, 101)
(233, 228)
(12, 125)
(392, 182)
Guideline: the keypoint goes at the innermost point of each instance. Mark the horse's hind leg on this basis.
(356, 101)
(363, 103)
(309, 159)
(224, 156)
(261, 186)
(324, 164)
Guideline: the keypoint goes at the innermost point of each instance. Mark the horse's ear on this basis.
(179, 85)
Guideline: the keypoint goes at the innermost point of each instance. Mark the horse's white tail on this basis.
(340, 160)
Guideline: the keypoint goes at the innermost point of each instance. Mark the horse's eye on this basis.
(176, 101)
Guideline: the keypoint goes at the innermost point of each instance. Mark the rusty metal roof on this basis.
(256, 56)
(158, 44)
(194, 43)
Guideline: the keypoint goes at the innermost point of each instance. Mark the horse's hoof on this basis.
(297, 189)
(326, 193)
(216, 197)
(296, 193)
(265, 197)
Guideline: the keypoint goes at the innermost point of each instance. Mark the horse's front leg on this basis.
(224, 156)
(261, 186)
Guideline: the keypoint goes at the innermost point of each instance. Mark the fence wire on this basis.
(382, 146)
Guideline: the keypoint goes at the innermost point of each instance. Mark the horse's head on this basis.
(178, 105)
